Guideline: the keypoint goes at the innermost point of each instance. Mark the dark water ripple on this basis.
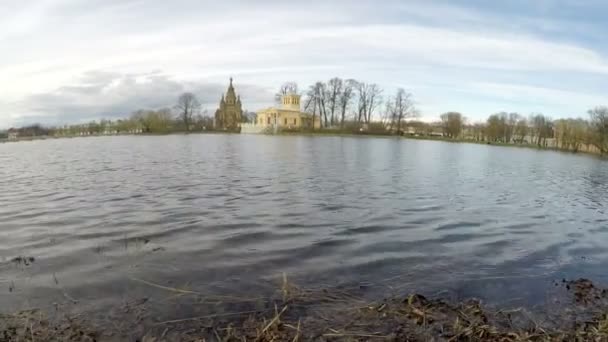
(228, 213)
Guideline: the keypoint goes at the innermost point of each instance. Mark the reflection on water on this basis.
(228, 213)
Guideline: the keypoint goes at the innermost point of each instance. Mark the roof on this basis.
(279, 110)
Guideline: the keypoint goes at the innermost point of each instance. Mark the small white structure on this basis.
(13, 134)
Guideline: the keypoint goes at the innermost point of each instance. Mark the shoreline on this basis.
(328, 133)
(442, 139)
(577, 311)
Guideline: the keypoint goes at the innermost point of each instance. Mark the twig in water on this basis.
(165, 287)
(208, 316)
(66, 295)
(183, 292)
(358, 335)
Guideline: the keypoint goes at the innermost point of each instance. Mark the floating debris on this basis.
(23, 260)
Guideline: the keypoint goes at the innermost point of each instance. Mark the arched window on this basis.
(268, 120)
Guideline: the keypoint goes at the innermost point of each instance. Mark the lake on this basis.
(229, 214)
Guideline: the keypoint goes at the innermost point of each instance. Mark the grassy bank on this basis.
(295, 314)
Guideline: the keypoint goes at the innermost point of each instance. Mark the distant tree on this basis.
(345, 99)
(202, 121)
(163, 120)
(570, 134)
(35, 130)
(400, 108)
(334, 89)
(511, 124)
(187, 106)
(452, 123)
(599, 128)
(369, 99)
(521, 130)
(542, 129)
(477, 131)
(316, 102)
(248, 117)
(94, 127)
(144, 118)
(286, 89)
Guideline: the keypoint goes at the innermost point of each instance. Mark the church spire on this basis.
(230, 94)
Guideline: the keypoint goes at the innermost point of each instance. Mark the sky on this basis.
(70, 61)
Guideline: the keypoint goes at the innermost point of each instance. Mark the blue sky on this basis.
(74, 60)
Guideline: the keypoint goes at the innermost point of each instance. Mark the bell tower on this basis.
(291, 102)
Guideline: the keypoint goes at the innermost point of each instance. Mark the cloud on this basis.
(433, 48)
(99, 94)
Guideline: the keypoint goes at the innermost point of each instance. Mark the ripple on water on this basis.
(457, 225)
(248, 208)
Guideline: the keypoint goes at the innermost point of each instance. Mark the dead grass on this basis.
(296, 314)
(32, 325)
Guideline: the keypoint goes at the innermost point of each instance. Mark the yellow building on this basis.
(288, 116)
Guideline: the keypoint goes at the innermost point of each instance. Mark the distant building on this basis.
(228, 115)
(13, 134)
(288, 116)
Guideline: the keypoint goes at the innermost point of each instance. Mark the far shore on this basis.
(326, 133)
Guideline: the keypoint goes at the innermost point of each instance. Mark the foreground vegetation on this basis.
(294, 314)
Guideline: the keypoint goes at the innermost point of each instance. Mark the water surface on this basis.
(231, 213)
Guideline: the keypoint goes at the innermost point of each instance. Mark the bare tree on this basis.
(187, 106)
(452, 124)
(511, 121)
(286, 89)
(599, 128)
(316, 102)
(542, 128)
(311, 103)
(144, 118)
(374, 100)
(361, 89)
(401, 108)
(334, 89)
(521, 130)
(345, 98)
(369, 96)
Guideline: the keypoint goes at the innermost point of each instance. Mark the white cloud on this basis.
(58, 42)
(115, 95)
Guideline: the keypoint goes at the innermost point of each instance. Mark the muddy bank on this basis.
(576, 313)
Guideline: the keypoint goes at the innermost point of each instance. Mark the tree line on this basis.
(348, 103)
(513, 128)
(357, 106)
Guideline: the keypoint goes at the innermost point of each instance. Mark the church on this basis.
(228, 115)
